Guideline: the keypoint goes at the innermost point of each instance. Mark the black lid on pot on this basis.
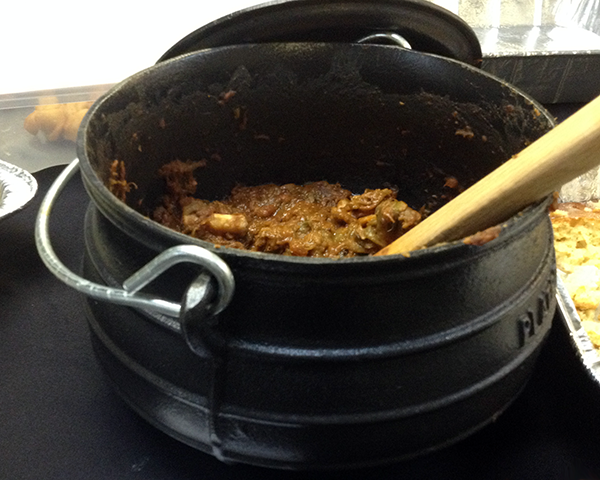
(427, 27)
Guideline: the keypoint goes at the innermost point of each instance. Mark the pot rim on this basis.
(106, 201)
(514, 224)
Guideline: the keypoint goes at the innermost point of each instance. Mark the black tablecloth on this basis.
(60, 418)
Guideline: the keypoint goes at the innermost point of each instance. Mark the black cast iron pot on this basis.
(302, 362)
(317, 362)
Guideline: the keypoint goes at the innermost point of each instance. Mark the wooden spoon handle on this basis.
(565, 152)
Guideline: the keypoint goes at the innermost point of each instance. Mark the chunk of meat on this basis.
(228, 224)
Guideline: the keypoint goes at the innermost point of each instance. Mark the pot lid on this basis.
(427, 27)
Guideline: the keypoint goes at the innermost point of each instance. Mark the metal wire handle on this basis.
(130, 294)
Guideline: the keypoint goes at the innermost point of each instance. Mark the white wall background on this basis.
(64, 43)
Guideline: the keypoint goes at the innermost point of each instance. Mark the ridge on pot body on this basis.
(319, 363)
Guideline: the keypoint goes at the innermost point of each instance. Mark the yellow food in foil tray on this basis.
(576, 226)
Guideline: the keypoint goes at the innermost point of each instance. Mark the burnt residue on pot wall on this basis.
(400, 119)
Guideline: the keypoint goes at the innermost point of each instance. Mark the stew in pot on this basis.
(318, 219)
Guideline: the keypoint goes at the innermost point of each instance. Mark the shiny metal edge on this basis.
(589, 356)
(17, 188)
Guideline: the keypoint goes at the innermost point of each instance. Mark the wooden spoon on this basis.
(565, 152)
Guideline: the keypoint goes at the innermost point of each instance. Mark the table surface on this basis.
(61, 419)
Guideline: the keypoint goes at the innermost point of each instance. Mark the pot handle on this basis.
(130, 294)
(388, 38)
